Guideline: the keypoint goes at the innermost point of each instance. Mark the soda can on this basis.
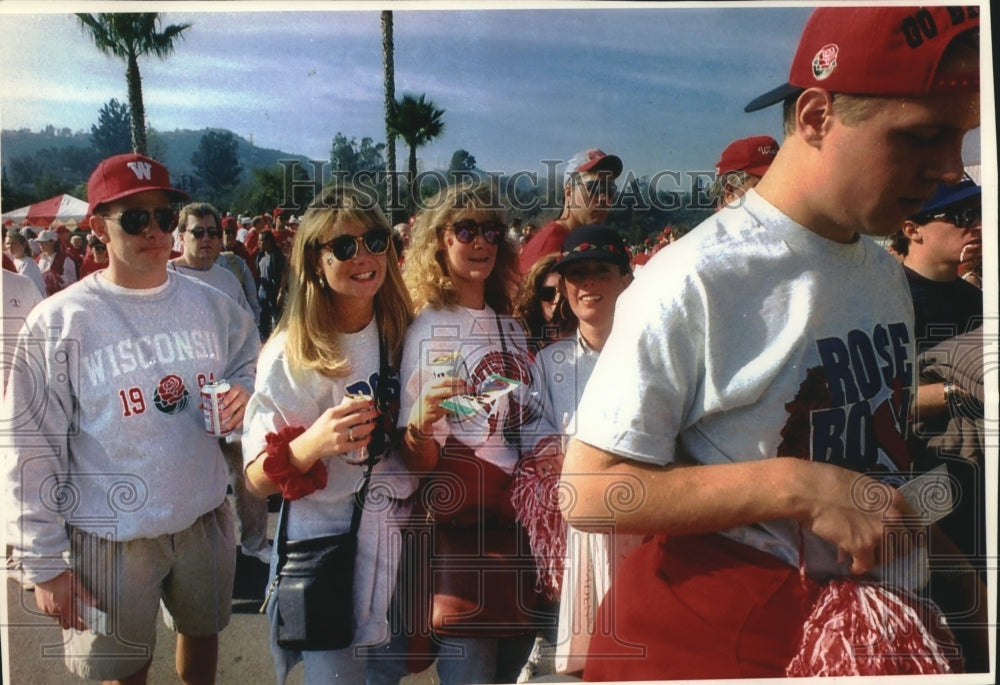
(449, 364)
(211, 395)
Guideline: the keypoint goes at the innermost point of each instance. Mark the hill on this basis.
(173, 148)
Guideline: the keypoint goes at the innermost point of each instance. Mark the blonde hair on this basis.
(310, 317)
(426, 273)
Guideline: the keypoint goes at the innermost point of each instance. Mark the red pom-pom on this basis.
(859, 628)
(535, 496)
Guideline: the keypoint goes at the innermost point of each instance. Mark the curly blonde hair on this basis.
(310, 317)
(426, 273)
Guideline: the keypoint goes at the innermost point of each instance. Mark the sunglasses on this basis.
(345, 247)
(135, 221)
(599, 187)
(961, 218)
(198, 232)
(101, 247)
(547, 293)
(466, 231)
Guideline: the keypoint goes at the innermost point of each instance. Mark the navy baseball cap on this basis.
(593, 242)
(948, 195)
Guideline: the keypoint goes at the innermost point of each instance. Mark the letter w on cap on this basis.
(142, 170)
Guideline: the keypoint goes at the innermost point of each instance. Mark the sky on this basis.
(663, 86)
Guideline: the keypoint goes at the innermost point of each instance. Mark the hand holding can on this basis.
(362, 451)
(212, 394)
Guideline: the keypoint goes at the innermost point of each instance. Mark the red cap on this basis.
(593, 159)
(124, 175)
(278, 211)
(889, 51)
(752, 155)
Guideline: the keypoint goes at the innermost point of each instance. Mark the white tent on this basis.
(61, 208)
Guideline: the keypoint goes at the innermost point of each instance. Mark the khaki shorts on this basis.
(190, 572)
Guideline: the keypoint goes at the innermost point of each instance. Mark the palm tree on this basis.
(389, 79)
(417, 121)
(129, 37)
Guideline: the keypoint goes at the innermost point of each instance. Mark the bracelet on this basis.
(276, 466)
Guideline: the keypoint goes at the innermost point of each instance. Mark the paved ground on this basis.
(33, 651)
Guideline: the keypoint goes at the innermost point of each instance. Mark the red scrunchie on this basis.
(293, 485)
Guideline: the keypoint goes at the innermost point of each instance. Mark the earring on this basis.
(322, 281)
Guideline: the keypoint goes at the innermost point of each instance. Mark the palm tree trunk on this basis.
(414, 190)
(389, 78)
(135, 104)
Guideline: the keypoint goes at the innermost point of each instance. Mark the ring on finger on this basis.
(350, 434)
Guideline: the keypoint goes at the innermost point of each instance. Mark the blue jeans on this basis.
(482, 659)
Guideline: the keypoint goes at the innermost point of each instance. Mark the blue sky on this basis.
(661, 86)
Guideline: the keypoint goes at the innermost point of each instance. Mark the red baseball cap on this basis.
(593, 159)
(128, 174)
(752, 155)
(889, 51)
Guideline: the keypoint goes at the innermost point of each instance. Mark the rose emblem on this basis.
(825, 61)
(171, 396)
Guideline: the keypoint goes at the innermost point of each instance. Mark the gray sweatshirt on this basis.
(103, 412)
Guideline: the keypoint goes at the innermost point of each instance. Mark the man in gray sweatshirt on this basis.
(117, 494)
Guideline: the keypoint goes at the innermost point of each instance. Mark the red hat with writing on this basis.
(752, 155)
(128, 174)
(887, 50)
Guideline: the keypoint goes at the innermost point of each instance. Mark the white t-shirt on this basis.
(20, 295)
(473, 346)
(218, 277)
(26, 266)
(753, 337)
(291, 397)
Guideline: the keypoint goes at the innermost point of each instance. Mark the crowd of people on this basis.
(502, 445)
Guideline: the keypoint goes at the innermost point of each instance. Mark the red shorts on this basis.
(695, 607)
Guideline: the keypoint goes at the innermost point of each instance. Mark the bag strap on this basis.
(381, 400)
(515, 432)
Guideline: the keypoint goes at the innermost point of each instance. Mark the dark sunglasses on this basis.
(345, 247)
(198, 232)
(135, 221)
(466, 231)
(599, 187)
(961, 218)
(99, 246)
(547, 293)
